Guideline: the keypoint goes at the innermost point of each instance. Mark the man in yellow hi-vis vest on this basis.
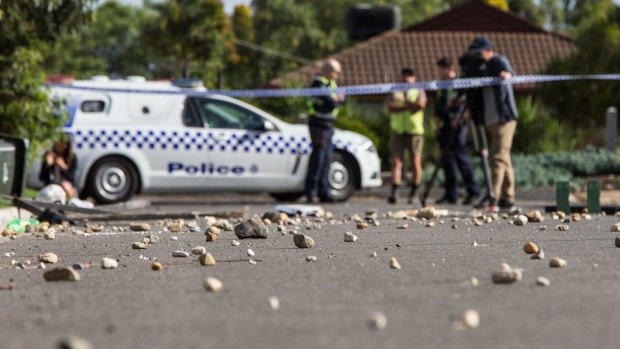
(407, 133)
(323, 112)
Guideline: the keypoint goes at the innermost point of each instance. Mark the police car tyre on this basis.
(287, 196)
(343, 176)
(112, 179)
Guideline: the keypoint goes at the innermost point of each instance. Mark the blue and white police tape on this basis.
(374, 89)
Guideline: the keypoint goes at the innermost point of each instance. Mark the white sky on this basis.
(228, 4)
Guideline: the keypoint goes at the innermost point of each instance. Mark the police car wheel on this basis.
(342, 177)
(112, 180)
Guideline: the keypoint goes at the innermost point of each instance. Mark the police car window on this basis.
(221, 114)
(92, 106)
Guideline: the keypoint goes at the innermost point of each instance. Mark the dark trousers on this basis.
(454, 154)
(317, 180)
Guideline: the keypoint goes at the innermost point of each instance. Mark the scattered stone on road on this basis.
(73, 342)
(394, 263)
(109, 263)
(403, 226)
(48, 257)
(276, 217)
(539, 255)
(400, 215)
(378, 321)
(61, 274)
(138, 245)
(235, 243)
(557, 263)
(350, 237)
(542, 228)
(520, 220)
(180, 254)
(430, 224)
(274, 303)
(198, 250)
(174, 227)
(470, 319)
(211, 236)
(535, 216)
(252, 228)
(251, 261)
(615, 228)
(542, 281)
(562, 227)
(49, 234)
(506, 274)
(530, 248)
(153, 239)
(311, 258)
(303, 241)
(206, 259)
(213, 230)
(140, 227)
(250, 253)
(212, 284)
(157, 266)
(428, 213)
(576, 217)
(361, 225)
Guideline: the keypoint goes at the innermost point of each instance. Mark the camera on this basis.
(473, 66)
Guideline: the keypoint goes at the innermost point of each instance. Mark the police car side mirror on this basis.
(269, 126)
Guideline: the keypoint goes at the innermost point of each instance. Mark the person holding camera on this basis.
(500, 118)
(59, 166)
(452, 135)
(407, 133)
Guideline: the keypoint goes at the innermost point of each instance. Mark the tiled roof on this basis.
(379, 59)
(476, 16)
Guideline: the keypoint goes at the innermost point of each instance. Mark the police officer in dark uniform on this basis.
(323, 112)
(453, 139)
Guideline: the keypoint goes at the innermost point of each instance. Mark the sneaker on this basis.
(470, 199)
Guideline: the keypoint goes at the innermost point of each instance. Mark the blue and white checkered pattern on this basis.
(208, 140)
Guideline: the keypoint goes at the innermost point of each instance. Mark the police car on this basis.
(167, 139)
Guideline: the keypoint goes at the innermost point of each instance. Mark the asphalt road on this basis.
(323, 304)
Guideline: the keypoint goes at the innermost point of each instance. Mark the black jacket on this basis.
(504, 95)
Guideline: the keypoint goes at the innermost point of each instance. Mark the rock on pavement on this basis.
(303, 241)
(61, 274)
(252, 228)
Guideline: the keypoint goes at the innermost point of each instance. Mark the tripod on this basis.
(481, 148)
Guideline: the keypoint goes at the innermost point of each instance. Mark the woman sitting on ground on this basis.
(59, 166)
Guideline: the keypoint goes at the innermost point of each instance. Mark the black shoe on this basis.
(446, 200)
(470, 199)
(392, 199)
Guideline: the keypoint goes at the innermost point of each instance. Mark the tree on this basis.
(27, 26)
(240, 72)
(187, 36)
(109, 45)
(582, 103)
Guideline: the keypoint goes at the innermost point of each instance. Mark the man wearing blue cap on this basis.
(500, 118)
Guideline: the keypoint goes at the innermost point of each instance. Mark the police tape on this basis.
(372, 89)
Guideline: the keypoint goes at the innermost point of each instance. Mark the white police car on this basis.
(161, 140)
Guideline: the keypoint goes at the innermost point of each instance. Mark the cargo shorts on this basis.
(401, 142)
